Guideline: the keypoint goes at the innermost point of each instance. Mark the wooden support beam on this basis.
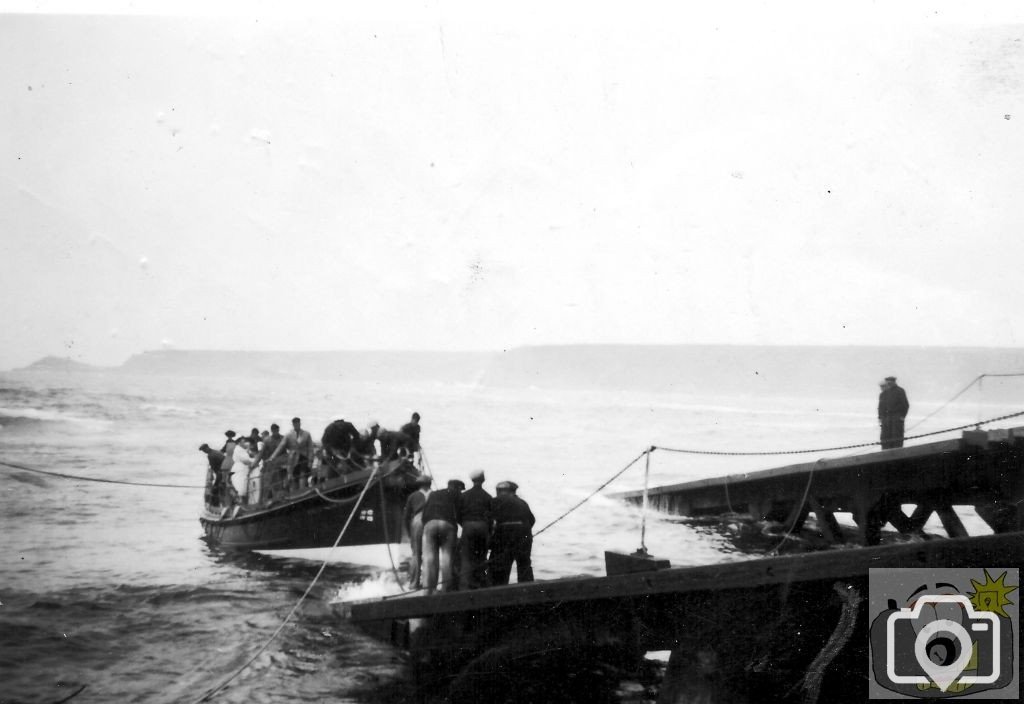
(951, 522)
(869, 524)
(922, 512)
(829, 565)
(900, 521)
(826, 521)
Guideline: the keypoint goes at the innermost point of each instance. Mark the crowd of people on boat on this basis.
(465, 538)
(267, 464)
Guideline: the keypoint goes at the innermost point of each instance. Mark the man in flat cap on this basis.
(475, 517)
(892, 410)
(512, 540)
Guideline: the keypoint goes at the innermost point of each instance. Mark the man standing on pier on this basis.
(892, 410)
(512, 540)
(475, 517)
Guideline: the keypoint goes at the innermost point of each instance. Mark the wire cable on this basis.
(840, 447)
(596, 491)
(323, 566)
(96, 479)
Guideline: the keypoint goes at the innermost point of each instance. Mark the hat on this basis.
(204, 447)
(230, 433)
(506, 486)
(456, 483)
(890, 378)
(423, 480)
(476, 474)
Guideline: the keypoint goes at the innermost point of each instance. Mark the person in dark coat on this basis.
(892, 410)
(412, 429)
(440, 532)
(338, 439)
(214, 485)
(394, 443)
(475, 518)
(512, 539)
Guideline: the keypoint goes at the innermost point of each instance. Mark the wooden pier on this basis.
(981, 469)
(792, 628)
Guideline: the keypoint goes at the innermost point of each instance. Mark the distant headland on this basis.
(799, 371)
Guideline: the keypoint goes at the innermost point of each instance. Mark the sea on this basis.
(109, 594)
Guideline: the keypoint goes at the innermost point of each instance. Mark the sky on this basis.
(431, 176)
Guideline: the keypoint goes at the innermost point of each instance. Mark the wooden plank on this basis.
(823, 466)
(826, 521)
(951, 522)
(838, 564)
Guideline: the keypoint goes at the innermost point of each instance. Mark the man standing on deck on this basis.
(512, 540)
(214, 486)
(299, 446)
(475, 517)
(412, 516)
(440, 532)
(412, 429)
(272, 479)
(892, 410)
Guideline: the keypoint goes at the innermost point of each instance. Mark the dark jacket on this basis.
(509, 508)
(893, 402)
(442, 505)
(412, 429)
(475, 505)
(340, 435)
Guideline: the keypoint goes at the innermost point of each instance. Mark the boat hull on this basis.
(313, 518)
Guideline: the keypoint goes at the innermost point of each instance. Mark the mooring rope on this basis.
(61, 475)
(798, 509)
(595, 491)
(830, 449)
(387, 540)
(323, 566)
(810, 683)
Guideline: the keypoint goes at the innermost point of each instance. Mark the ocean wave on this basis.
(166, 409)
(15, 417)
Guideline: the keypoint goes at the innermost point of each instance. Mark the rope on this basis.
(798, 509)
(810, 683)
(211, 693)
(96, 479)
(595, 491)
(387, 541)
(840, 447)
